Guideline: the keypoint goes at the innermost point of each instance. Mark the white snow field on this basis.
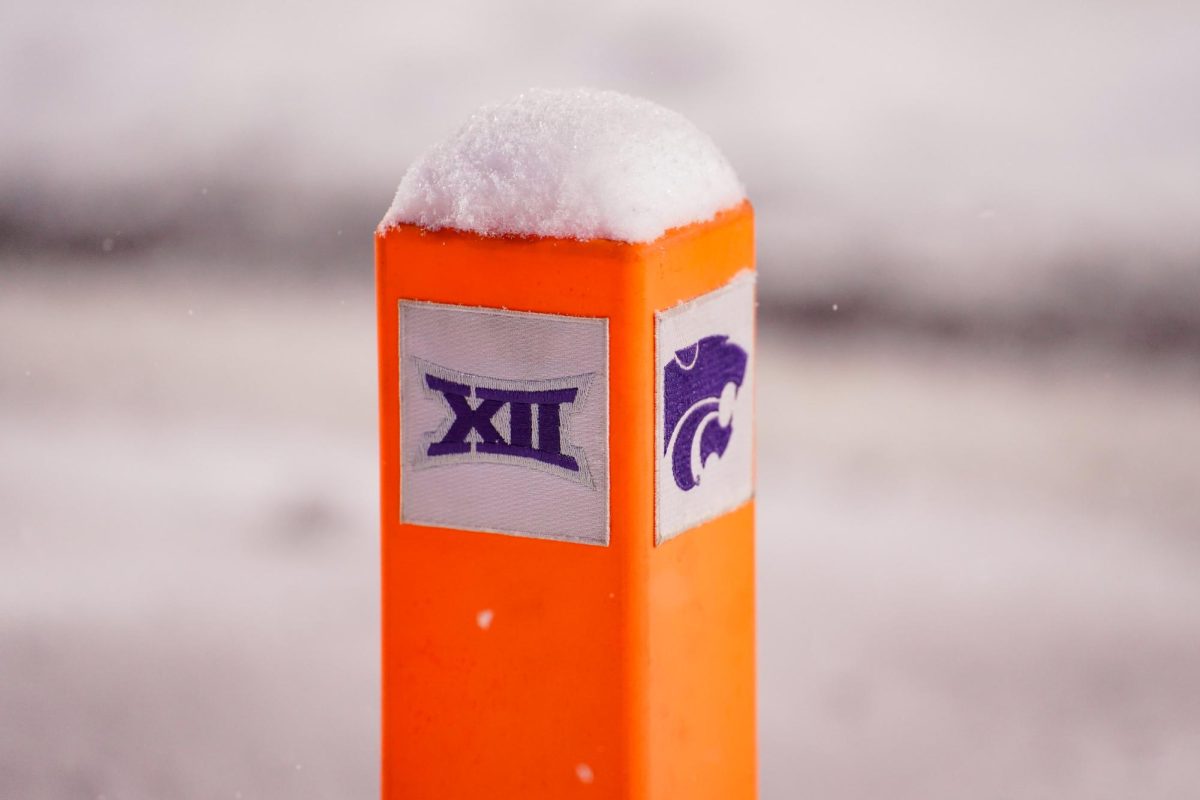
(977, 567)
(569, 163)
(977, 561)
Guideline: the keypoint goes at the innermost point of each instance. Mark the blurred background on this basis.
(979, 232)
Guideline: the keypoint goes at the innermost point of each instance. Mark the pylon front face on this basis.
(549, 631)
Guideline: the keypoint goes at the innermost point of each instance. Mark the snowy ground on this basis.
(977, 566)
(977, 560)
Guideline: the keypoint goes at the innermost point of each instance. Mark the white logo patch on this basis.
(704, 407)
(504, 421)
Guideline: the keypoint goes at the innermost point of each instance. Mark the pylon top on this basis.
(576, 164)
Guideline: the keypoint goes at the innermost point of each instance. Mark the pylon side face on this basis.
(540, 615)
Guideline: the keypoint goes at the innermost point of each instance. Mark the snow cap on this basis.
(569, 163)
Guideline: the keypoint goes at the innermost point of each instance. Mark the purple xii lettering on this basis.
(522, 423)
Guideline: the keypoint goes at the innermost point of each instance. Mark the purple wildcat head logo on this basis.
(699, 389)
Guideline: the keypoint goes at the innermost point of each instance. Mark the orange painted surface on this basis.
(621, 672)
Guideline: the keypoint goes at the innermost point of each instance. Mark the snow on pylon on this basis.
(572, 163)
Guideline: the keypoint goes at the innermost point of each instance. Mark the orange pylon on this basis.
(560, 642)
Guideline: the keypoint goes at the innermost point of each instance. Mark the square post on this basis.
(544, 635)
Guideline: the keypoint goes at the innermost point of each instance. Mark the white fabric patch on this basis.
(504, 421)
(704, 407)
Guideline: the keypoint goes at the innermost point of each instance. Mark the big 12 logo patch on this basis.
(504, 421)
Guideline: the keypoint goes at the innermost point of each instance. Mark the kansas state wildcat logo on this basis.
(522, 423)
(700, 386)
